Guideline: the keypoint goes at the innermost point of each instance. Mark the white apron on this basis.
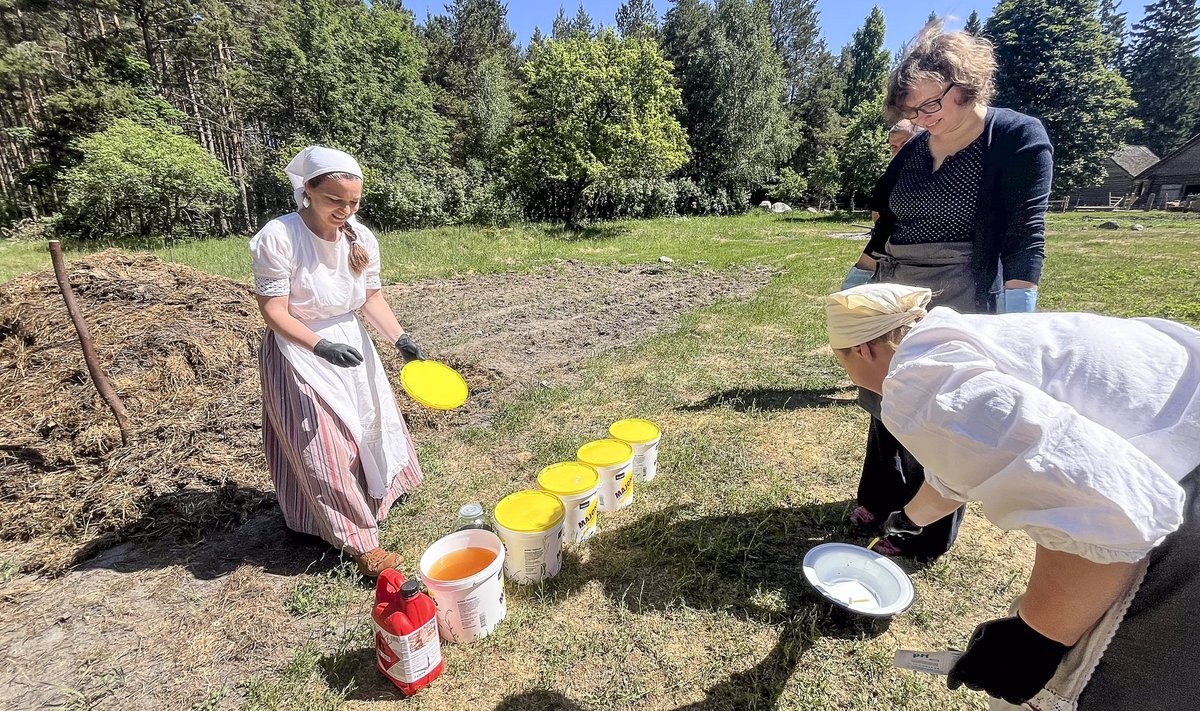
(361, 397)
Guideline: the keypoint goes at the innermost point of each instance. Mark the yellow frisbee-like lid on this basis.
(635, 431)
(568, 478)
(529, 511)
(605, 453)
(433, 384)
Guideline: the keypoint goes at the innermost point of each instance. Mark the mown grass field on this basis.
(693, 597)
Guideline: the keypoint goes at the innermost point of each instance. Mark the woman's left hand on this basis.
(409, 350)
(1008, 659)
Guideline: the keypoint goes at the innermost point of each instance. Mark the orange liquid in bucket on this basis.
(462, 563)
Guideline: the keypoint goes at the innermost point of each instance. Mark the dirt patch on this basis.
(535, 326)
(173, 563)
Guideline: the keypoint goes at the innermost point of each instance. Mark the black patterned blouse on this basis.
(941, 205)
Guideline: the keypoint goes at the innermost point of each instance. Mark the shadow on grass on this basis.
(834, 218)
(746, 565)
(751, 400)
(584, 233)
(538, 700)
(673, 558)
(214, 548)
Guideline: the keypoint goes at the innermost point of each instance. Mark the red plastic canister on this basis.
(407, 648)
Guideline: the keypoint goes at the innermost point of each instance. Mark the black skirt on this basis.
(1152, 661)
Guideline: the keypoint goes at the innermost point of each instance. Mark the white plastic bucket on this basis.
(643, 436)
(613, 461)
(531, 525)
(470, 608)
(577, 486)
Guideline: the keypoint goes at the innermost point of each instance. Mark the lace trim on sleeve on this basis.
(272, 287)
(372, 282)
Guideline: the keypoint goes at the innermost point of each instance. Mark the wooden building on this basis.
(1122, 168)
(1174, 181)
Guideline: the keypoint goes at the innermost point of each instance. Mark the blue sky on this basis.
(839, 18)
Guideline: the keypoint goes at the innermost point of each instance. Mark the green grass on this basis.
(692, 598)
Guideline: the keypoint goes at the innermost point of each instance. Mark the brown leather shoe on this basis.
(377, 560)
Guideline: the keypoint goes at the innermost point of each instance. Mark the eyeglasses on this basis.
(929, 107)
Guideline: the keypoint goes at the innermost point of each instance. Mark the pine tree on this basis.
(974, 26)
(1051, 57)
(933, 17)
(796, 36)
(637, 18)
(582, 23)
(869, 62)
(1164, 70)
(1113, 24)
(683, 35)
(561, 29)
(813, 90)
(735, 117)
(535, 40)
(472, 73)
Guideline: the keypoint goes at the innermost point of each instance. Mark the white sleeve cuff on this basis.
(272, 287)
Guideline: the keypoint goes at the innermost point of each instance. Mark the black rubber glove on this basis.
(409, 350)
(1008, 659)
(339, 354)
(900, 525)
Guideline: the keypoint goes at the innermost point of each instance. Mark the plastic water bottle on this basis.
(471, 516)
(407, 648)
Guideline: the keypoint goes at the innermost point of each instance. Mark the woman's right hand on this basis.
(339, 354)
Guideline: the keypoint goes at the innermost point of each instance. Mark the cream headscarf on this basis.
(869, 311)
(314, 161)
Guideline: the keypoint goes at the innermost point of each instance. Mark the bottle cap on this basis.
(471, 510)
(410, 588)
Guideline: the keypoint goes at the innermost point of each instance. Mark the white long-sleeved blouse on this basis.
(1072, 427)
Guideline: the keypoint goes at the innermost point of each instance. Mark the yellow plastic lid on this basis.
(568, 478)
(605, 453)
(529, 511)
(433, 384)
(635, 431)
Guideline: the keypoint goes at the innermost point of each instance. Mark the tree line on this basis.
(175, 117)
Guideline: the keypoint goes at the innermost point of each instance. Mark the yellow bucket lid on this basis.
(433, 384)
(605, 452)
(568, 478)
(635, 430)
(529, 511)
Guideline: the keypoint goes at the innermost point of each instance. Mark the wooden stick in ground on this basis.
(85, 340)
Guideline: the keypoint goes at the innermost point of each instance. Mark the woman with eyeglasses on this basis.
(961, 212)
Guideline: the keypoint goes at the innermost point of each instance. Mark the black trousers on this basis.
(890, 478)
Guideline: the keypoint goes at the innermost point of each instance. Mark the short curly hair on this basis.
(959, 57)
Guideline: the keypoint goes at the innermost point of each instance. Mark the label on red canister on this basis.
(408, 658)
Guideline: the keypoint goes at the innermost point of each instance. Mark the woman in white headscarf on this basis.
(338, 450)
(1081, 430)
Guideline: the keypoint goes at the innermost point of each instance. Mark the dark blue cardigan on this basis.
(1010, 230)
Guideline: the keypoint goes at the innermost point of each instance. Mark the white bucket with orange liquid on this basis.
(464, 573)
(531, 525)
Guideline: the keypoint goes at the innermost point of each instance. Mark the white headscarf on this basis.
(314, 161)
(869, 311)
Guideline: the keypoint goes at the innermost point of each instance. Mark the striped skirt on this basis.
(314, 462)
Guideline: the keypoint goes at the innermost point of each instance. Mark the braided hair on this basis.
(359, 258)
